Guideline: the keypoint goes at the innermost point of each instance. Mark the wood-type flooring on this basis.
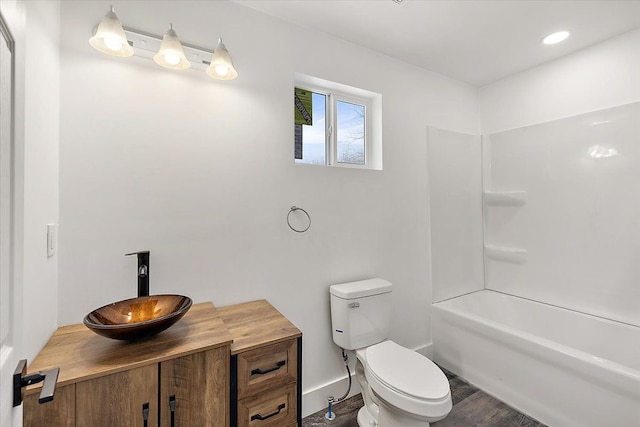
(471, 408)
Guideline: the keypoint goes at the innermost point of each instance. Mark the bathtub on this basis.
(564, 368)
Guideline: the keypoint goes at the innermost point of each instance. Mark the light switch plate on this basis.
(52, 231)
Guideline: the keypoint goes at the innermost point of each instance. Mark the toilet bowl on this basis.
(409, 389)
(400, 387)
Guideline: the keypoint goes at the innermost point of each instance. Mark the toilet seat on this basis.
(407, 379)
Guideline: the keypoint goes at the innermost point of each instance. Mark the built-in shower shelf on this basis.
(506, 254)
(505, 198)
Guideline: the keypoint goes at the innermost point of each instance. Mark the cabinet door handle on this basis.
(275, 368)
(145, 414)
(273, 414)
(172, 408)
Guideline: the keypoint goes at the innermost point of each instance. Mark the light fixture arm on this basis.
(142, 40)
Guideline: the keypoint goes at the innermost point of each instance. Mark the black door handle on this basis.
(172, 408)
(145, 414)
(273, 414)
(275, 368)
(21, 380)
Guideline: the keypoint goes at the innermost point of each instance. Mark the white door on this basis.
(10, 331)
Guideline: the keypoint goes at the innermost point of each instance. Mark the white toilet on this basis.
(400, 388)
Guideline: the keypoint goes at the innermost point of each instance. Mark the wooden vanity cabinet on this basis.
(266, 366)
(180, 377)
(233, 366)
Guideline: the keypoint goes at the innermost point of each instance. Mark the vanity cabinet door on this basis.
(60, 412)
(194, 389)
(128, 398)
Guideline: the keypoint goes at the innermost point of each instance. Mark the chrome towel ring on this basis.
(293, 209)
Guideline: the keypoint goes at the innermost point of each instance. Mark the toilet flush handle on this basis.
(353, 305)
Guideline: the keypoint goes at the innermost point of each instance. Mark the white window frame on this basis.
(366, 103)
(372, 103)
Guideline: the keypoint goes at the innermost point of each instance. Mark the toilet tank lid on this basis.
(361, 288)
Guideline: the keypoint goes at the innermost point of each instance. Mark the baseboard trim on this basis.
(426, 350)
(316, 399)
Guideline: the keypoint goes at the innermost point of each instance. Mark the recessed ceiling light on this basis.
(556, 37)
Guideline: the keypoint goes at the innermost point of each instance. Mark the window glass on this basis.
(350, 133)
(336, 125)
(314, 136)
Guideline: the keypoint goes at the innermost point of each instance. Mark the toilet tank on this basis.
(360, 313)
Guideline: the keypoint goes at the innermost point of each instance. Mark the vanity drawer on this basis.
(272, 408)
(267, 367)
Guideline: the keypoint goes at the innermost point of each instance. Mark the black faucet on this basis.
(143, 272)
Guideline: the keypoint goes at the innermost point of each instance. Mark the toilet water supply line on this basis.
(331, 400)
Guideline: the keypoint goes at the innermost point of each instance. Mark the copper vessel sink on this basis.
(137, 318)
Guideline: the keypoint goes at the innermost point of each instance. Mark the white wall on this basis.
(577, 158)
(201, 173)
(41, 135)
(601, 76)
(455, 195)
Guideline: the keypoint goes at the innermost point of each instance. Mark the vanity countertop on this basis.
(254, 324)
(82, 355)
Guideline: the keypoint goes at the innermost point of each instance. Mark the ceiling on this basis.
(475, 41)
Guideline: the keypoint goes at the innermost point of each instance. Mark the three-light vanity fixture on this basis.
(115, 40)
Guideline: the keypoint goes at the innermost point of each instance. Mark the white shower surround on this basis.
(576, 230)
(561, 367)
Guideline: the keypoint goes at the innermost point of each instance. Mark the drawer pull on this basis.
(275, 368)
(273, 414)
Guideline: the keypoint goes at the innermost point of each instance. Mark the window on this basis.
(336, 125)
(350, 132)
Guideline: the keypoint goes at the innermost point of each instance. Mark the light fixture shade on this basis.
(110, 37)
(171, 55)
(221, 64)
